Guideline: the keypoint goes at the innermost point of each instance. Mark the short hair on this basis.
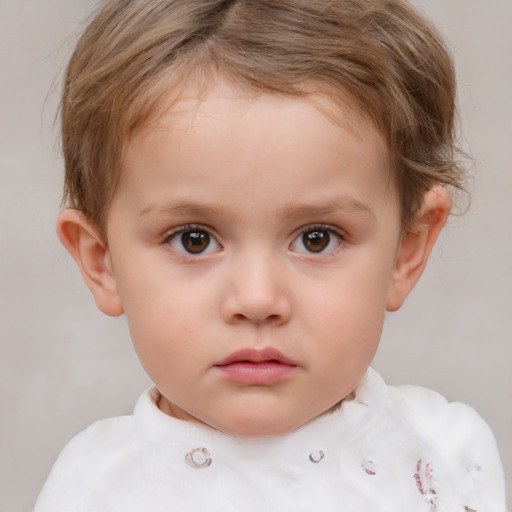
(382, 56)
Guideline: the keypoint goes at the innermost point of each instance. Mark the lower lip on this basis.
(257, 374)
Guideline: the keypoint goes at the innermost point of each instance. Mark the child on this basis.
(254, 183)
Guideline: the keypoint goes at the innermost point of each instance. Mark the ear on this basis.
(84, 242)
(416, 245)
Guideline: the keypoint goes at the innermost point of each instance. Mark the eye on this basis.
(191, 240)
(317, 240)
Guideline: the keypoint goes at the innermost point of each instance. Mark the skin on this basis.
(253, 174)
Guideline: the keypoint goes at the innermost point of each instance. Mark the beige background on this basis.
(64, 365)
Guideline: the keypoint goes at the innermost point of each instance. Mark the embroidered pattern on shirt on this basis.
(198, 458)
(424, 482)
(369, 467)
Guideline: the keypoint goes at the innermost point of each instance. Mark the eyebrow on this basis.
(184, 208)
(339, 205)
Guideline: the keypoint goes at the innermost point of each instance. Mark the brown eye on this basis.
(195, 242)
(316, 240)
(192, 241)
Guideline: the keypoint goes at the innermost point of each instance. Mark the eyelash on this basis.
(186, 228)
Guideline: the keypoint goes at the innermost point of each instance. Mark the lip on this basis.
(256, 367)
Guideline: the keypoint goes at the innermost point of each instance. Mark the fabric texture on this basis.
(389, 449)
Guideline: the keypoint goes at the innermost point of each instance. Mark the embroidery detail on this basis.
(424, 482)
(198, 458)
(369, 467)
(317, 456)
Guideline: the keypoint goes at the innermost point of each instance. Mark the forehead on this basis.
(227, 137)
(179, 99)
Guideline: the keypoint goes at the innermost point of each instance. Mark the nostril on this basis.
(274, 318)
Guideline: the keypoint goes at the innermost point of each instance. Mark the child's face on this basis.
(254, 224)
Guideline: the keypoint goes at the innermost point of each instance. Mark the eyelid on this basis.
(184, 228)
(326, 227)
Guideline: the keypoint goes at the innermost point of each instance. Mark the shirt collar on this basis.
(320, 440)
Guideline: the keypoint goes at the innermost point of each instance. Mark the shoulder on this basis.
(82, 462)
(458, 439)
(97, 442)
(447, 423)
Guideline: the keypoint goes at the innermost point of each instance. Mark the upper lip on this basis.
(252, 355)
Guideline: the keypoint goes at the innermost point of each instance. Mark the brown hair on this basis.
(381, 54)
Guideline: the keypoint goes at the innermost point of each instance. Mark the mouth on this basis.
(256, 367)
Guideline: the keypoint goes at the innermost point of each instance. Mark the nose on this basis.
(256, 292)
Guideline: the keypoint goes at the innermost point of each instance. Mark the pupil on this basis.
(316, 241)
(195, 242)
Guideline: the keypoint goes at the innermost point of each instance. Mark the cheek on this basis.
(167, 343)
(162, 324)
(164, 317)
(348, 315)
(351, 332)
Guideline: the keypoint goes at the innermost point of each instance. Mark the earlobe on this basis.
(85, 244)
(417, 244)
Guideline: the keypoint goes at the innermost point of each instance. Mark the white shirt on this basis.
(390, 449)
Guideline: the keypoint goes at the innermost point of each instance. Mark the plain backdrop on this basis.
(64, 365)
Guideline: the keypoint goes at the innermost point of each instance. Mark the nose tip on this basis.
(256, 308)
(258, 297)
